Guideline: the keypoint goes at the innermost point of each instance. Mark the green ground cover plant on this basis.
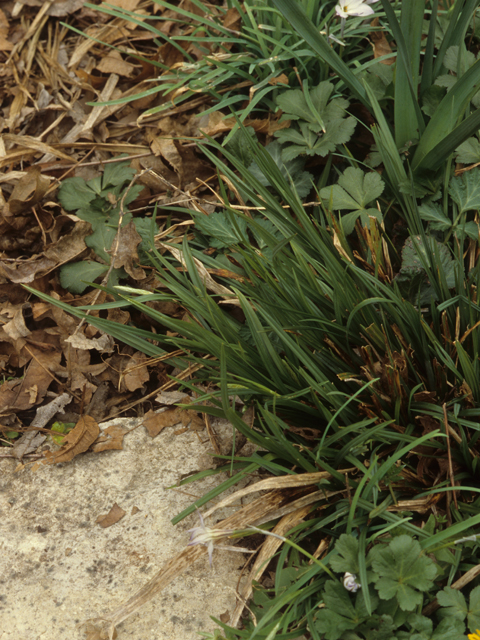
(348, 313)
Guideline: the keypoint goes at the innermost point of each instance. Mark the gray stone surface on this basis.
(58, 567)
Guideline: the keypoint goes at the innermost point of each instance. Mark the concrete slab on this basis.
(59, 568)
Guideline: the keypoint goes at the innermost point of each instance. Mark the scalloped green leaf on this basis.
(465, 191)
(74, 193)
(469, 151)
(402, 572)
(75, 276)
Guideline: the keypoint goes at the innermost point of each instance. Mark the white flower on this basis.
(350, 582)
(206, 535)
(347, 8)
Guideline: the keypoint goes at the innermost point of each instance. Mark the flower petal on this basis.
(362, 10)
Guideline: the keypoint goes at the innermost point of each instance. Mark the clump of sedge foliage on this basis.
(351, 325)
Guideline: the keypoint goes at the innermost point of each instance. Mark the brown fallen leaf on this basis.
(97, 408)
(45, 414)
(77, 441)
(154, 422)
(128, 5)
(93, 633)
(114, 63)
(115, 514)
(67, 248)
(111, 438)
(172, 397)
(104, 344)
(30, 441)
(380, 44)
(136, 373)
(59, 8)
(16, 328)
(20, 395)
(5, 44)
(165, 146)
(126, 253)
(281, 79)
(28, 191)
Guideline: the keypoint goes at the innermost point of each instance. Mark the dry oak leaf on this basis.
(45, 414)
(59, 8)
(67, 248)
(28, 191)
(172, 397)
(111, 438)
(104, 344)
(5, 44)
(114, 63)
(281, 79)
(380, 44)
(30, 441)
(136, 373)
(126, 254)
(20, 395)
(155, 422)
(16, 328)
(77, 441)
(115, 514)
(128, 5)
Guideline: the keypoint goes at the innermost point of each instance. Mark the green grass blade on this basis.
(409, 123)
(427, 70)
(461, 15)
(447, 115)
(447, 145)
(296, 16)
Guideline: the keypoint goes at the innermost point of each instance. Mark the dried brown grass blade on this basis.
(33, 144)
(267, 551)
(250, 514)
(282, 482)
(207, 279)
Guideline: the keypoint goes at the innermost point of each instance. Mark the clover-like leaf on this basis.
(415, 255)
(322, 123)
(355, 190)
(240, 145)
(433, 213)
(402, 572)
(74, 193)
(465, 191)
(454, 605)
(432, 98)
(101, 241)
(340, 614)
(347, 555)
(316, 109)
(311, 143)
(117, 174)
(458, 63)
(224, 229)
(452, 60)
(469, 151)
(292, 170)
(75, 276)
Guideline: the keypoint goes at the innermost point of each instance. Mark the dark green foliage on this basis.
(98, 202)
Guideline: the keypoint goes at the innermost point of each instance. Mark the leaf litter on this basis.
(48, 356)
(56, 368)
